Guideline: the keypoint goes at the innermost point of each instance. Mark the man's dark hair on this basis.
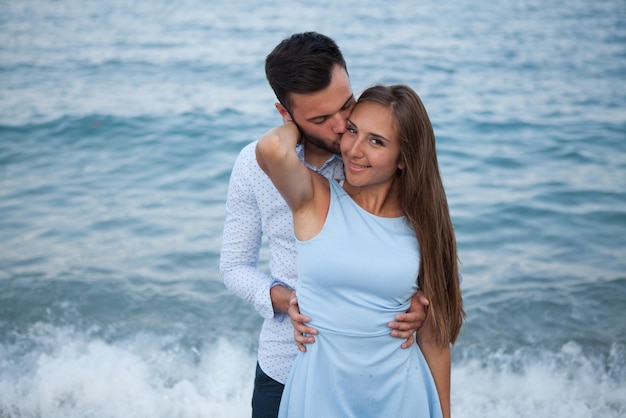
(302, 63)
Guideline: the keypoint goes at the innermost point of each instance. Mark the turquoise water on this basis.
(120, 122)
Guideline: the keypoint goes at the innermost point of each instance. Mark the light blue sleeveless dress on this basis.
(353, 278)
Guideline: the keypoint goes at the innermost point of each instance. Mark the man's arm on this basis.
(242, 238)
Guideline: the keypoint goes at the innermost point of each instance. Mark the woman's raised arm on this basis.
(276, 155)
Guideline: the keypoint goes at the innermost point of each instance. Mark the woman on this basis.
(363, 248)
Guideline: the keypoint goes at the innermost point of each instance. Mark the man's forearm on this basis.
(251, 285)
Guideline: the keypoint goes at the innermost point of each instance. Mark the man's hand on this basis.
(299, 324)
(280, 296)
(408, 323)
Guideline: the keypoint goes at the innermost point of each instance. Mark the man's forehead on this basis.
(313, 106)
(327, 101)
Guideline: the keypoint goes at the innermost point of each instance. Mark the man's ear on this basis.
(283, 112)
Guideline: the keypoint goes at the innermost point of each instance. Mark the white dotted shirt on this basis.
(255, 208)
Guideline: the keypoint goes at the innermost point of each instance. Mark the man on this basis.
(309, 77)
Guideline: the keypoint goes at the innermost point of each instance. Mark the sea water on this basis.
(119, 125)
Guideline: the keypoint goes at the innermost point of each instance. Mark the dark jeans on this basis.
(266, 395)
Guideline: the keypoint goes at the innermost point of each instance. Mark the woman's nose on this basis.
(354, 149)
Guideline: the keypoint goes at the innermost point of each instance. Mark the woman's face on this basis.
(370, 147)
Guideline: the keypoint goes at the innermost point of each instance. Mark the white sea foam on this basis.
(562, 384)
(80, 377)
(74, 376)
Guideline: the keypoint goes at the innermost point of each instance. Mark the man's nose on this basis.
(339, 123)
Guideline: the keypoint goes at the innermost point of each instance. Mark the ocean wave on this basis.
(69, 374)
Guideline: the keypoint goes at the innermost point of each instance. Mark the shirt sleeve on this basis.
(241, 241)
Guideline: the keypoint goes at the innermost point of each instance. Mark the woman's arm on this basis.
(277, 157)
(439, 362)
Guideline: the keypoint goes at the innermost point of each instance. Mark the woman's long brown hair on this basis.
(425, 205)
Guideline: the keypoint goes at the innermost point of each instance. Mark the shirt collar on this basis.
(300, 152)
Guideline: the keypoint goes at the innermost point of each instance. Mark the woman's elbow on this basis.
(270, 149)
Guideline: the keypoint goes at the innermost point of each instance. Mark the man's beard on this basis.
(316, 141)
